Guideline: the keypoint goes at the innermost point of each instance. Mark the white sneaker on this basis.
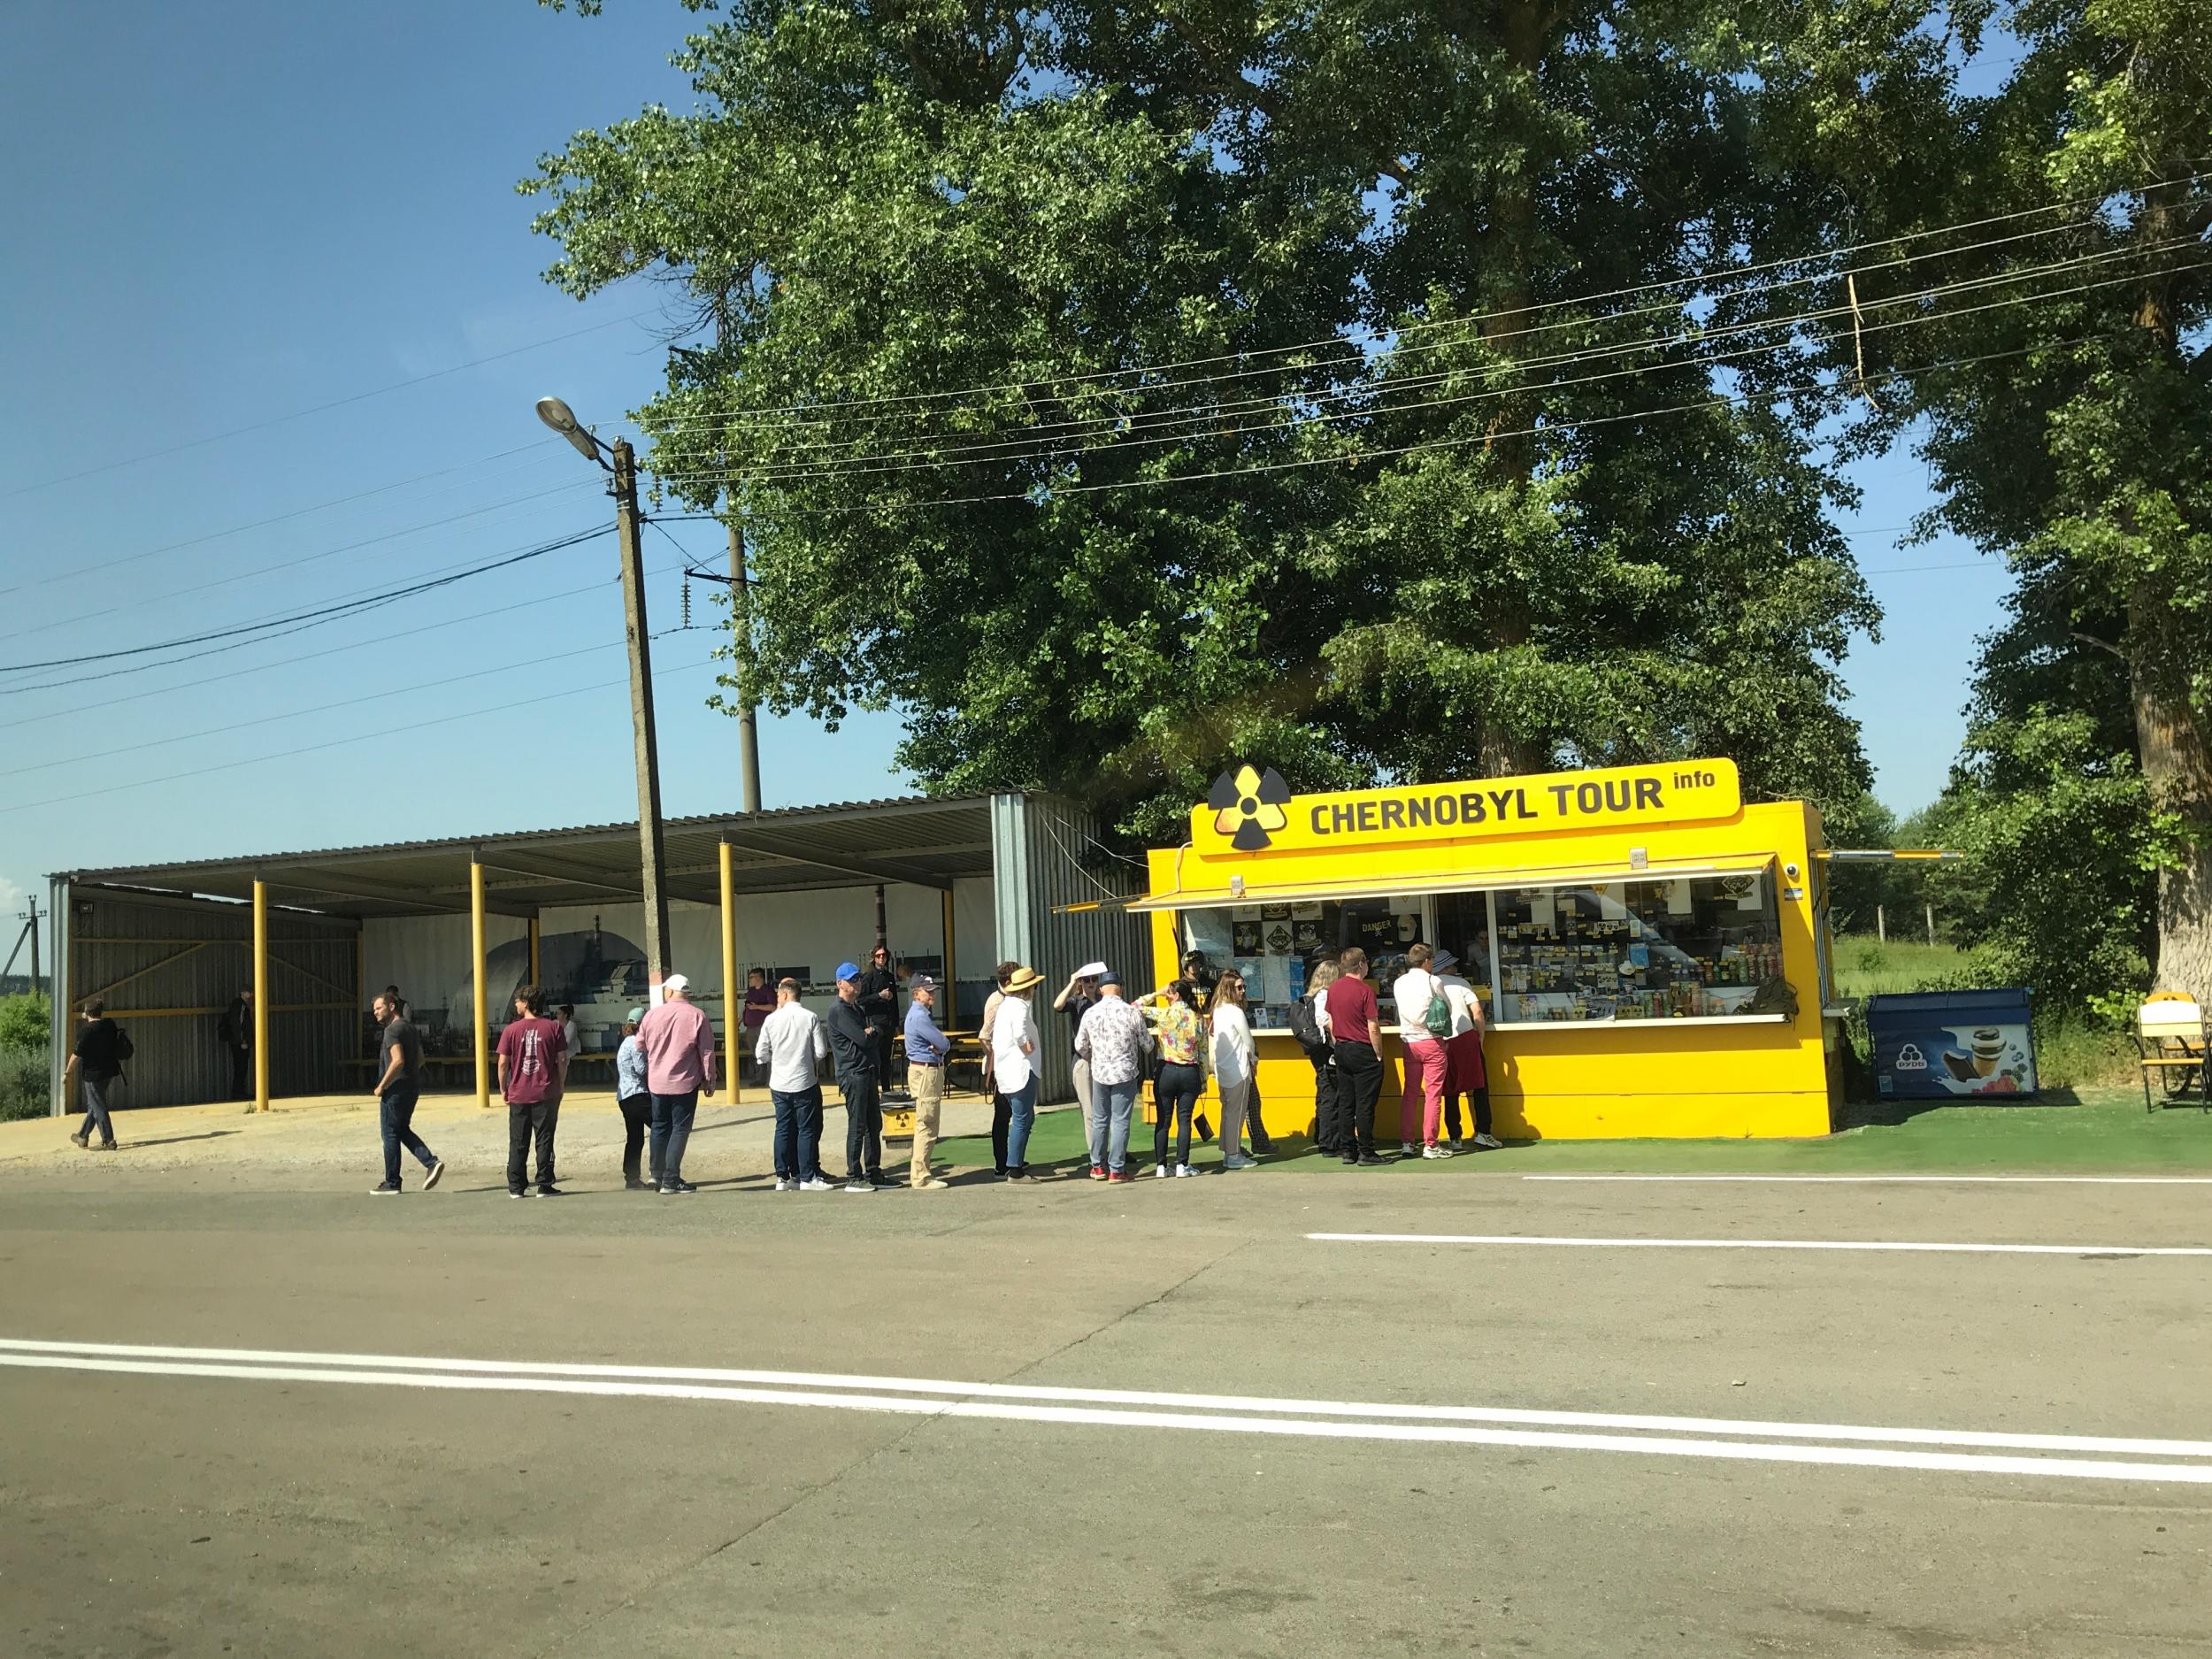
(785, 1183)
(1491, 1141)
(818, 1185)
(1163, 1172)
(1406, 1148)
(1436, 1152)
(1185, 1169)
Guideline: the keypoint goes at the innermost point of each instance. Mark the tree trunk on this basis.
(2174, 766)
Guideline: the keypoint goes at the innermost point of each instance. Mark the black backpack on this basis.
(1305, 1025)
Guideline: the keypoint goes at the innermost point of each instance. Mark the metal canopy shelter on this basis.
(918, 840)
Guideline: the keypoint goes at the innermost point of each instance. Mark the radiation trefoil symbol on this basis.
(1248, 807)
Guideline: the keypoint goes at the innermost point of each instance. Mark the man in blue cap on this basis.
(852, 1045)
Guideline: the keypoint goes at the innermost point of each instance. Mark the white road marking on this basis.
(1222, 1414)
(2007, 1181)
(1760, 1244)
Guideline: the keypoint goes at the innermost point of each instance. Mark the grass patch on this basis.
(1867, 967)
(23, 1083)
(2100, 1131)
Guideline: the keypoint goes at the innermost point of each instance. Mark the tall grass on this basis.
(23, 1083)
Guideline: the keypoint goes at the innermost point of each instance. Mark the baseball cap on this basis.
(674, 983)
(921, 982)
(849, 971)
(633, 1016)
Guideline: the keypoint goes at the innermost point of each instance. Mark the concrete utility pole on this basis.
(630, 533)
(748, 729)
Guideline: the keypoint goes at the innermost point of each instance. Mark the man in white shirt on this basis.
(790, 1048)
(1421, 1099)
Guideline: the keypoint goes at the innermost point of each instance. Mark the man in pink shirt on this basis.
(678, 1044)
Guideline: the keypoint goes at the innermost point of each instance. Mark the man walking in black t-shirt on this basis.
(397, 1090)
(95, 1064)
(235, 1028)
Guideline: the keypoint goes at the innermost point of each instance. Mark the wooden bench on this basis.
(2172, 1045)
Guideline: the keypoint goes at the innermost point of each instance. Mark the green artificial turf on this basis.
(2102, 1130)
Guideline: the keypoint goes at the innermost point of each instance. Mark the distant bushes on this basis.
(26, 1030)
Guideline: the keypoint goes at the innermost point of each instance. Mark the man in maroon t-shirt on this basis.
(533, 1070)
(1354, 1020)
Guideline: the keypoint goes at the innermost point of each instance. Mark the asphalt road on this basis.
(276, 1500)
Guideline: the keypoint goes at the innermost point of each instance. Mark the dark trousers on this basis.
(1358, 1086)
(241, 1074)
(637, 1116)
(863, 1125)
(1175, 1094)
(672, 1133)
(798, 1133)
(94, 1092)
(1479, 1099)
(1002, 1120)
(1262, 1142)
(886, 1077)
(1325, 1132)
(526, 1123)
(396, 1114)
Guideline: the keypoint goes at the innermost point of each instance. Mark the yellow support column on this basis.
(535, 977)
(952, 974)
(733, 993)
(260, 997)
(477, 967)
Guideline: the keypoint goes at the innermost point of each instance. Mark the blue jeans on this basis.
(395, 1112)
(1021, 1105)
(671, 1131)
(1115, 1104)
(94, 1091)
(798, 1133)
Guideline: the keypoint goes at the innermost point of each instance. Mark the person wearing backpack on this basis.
(1310, 1027)
(94, 1065)
(1424, 1020)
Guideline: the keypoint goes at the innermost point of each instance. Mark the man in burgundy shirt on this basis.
(1354, 1022)
(533, 1068)
(678, 1044)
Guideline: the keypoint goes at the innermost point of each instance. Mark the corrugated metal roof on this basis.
(921, 839)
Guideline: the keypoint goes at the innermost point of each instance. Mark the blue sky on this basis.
(227, 215)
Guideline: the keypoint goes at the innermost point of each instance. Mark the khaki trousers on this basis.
(928, 1085)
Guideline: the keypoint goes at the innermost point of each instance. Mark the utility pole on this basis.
(748, 730)
(30, 927)
(629, 533)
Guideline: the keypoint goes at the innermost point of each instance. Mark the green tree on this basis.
(1013, 379)
(2068, 419)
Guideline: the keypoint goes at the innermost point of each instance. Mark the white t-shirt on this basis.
(1011, 1027)
(1466, 1006)
(573, 1037)
(1411, 990)
(1233, 1052)
(1320, 997)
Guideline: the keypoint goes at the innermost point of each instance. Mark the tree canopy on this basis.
(1117, 390)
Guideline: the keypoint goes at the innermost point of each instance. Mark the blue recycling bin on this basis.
(1938, 1045)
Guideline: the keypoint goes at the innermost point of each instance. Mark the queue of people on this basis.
(1183, 1034)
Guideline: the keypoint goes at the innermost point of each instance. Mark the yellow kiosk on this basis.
(1651, 952)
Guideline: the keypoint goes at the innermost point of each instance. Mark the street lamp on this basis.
(629, 533)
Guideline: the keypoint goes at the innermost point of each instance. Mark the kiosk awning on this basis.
(1453, 881)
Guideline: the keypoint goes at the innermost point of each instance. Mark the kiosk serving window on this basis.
(1658, 947)
(1273, 946)
(1670, 947)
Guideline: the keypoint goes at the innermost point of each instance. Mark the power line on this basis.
(308, 619)
(109, 610)
(316, 656)
(535, 700)
(1339, 341)
(1352, 458)
(1119, 443)
(319, 409)
(281, 518)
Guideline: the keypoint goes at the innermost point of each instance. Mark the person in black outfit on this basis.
(236, 1030)
(398, 1087)
(853, 1047)
(880, 1010)
(95, 1064)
